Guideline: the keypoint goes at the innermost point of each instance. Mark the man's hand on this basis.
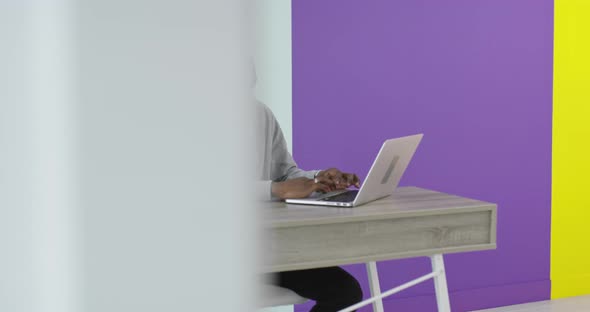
(338, 180)
(297, 188)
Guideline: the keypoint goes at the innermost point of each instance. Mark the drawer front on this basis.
(300, 247)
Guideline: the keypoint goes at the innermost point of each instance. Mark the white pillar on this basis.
(123, 126)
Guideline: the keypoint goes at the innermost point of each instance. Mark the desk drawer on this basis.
(322, 245)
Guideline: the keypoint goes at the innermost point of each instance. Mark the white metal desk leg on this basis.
(374, 284)
(440, 283)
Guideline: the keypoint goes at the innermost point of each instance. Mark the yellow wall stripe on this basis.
(570, 229)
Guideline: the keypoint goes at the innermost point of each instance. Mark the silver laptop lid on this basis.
(388, 168)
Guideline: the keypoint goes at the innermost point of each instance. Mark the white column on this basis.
(165, 156)
(123, 126)
(55, 222)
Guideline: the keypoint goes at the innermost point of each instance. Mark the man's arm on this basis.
(283, 163)
(333, 178)
(289, 181)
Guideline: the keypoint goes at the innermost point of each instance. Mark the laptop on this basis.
(384, 176)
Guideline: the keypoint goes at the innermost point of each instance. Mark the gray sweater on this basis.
(274, 162)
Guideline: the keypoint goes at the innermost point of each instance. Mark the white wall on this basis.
(273, 60)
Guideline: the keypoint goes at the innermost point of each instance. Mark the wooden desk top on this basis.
(405, 202)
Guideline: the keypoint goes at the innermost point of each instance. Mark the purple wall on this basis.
(476, 78)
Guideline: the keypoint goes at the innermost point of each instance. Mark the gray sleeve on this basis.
(283, 166)
(274, 150)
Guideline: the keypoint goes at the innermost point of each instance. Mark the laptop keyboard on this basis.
(343, 198)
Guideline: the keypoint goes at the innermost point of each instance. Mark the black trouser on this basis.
(331, 288)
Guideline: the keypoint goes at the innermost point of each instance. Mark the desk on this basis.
(413, 222)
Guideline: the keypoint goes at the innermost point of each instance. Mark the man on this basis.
(331, 288)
